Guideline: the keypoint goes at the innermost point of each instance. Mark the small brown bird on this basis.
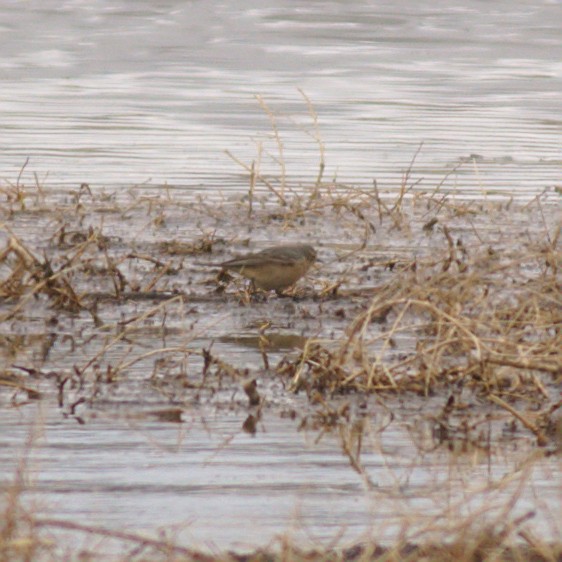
(274, 268)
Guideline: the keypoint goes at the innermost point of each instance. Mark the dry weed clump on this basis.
(480, 320)
(467, 326)
(25, 276)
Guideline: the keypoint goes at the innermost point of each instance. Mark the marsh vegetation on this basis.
(430, 313)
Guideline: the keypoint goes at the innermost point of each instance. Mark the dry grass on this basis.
(488, 531)
(466, 315)
(24, 537)
(479, 316)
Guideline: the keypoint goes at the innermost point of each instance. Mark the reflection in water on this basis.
(169, 405)
(221, 472)
(155, 92)
(268, 342)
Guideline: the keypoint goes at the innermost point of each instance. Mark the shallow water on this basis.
(220, 478)
(156, 92)
(219, 487)
(232, 475)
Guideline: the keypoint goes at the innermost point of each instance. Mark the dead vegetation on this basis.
(467, 307)
(486, 322)
(471, 308)
(501, 537)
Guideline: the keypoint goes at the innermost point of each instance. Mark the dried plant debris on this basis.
(440, 314)
(414, 292)
(468, 329)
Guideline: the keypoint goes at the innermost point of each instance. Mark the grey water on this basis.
(122, 93)
(128, 92)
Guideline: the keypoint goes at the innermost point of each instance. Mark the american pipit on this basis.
(274, 268)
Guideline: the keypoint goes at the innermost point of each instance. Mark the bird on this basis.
(275, 268)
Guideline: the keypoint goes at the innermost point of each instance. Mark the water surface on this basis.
(154, 92)
(134, 92)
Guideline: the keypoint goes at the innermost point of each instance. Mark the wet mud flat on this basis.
(431, 322)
